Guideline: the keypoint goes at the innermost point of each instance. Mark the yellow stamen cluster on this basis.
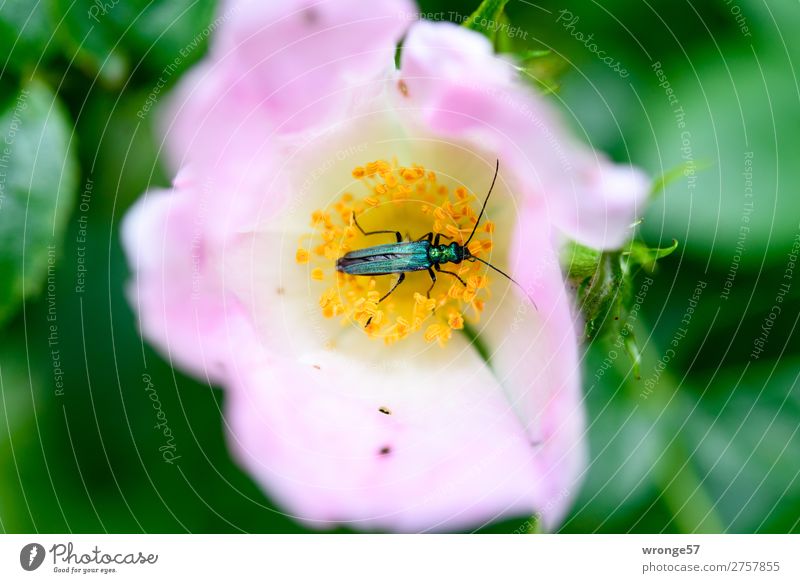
(413, 201)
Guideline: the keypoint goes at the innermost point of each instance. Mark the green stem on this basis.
(683, 492)
(682, 489)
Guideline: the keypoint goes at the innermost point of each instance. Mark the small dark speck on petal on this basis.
(280, 291)
(311, 16)
(318, 367)
(385, 450)
(384, 410)
(401, 85)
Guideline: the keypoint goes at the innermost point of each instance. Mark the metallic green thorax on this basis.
(452, 253)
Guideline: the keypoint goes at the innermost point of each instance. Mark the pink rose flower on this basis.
(407, 414)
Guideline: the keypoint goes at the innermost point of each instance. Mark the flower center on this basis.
(413, 202)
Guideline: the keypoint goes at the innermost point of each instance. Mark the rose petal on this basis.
(462, 90)
(300, 57)
(180, 307)
(451, 452)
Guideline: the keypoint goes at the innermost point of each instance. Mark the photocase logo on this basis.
(31, 556)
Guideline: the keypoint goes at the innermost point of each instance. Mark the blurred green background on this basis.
(707, 441)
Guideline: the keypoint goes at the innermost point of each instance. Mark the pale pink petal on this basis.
(462, 90)
(451, 454)
(300, 58)
(209, 120)
(532, 335)
(179, 305)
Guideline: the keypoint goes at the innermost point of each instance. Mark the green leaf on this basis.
(580, 261)
(533, 54)
(167, 36)
(487, 18)
(38, 176)
(25, 29)
(745, 435)
(673, 175)
(646, 256)
(89, 39)
(602, 285)
(161, 37)
(543, 69)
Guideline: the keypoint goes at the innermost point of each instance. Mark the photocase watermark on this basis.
(318, 325)
(197, 245)
(174, 67)
(526, 304)
(625, 330)
(569, 21)
(168, 449)
(741, 19)
(100, 8)
(53, 337)
(65, 559)
(744, 227)
(320, 170)
(522, 107)
(8, 141)
(487, 24)
(777, 307)
(81, 237)
(671, 352)
(687, 153)
(32, 556)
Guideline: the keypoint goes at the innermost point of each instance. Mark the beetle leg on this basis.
(427, 237)
(433, 281)
(387, 294)
(368, 233)
(394, 287)
(458, 277)
(439, 236)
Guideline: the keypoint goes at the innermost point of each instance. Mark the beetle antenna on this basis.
(483, 208)
(508, 277)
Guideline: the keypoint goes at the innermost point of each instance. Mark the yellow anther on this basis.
(455, 320)
(469, 294)
(456, 291)
(452, 231)
(475, 247)
(390, 179)
(439, 333)
(420, 204)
